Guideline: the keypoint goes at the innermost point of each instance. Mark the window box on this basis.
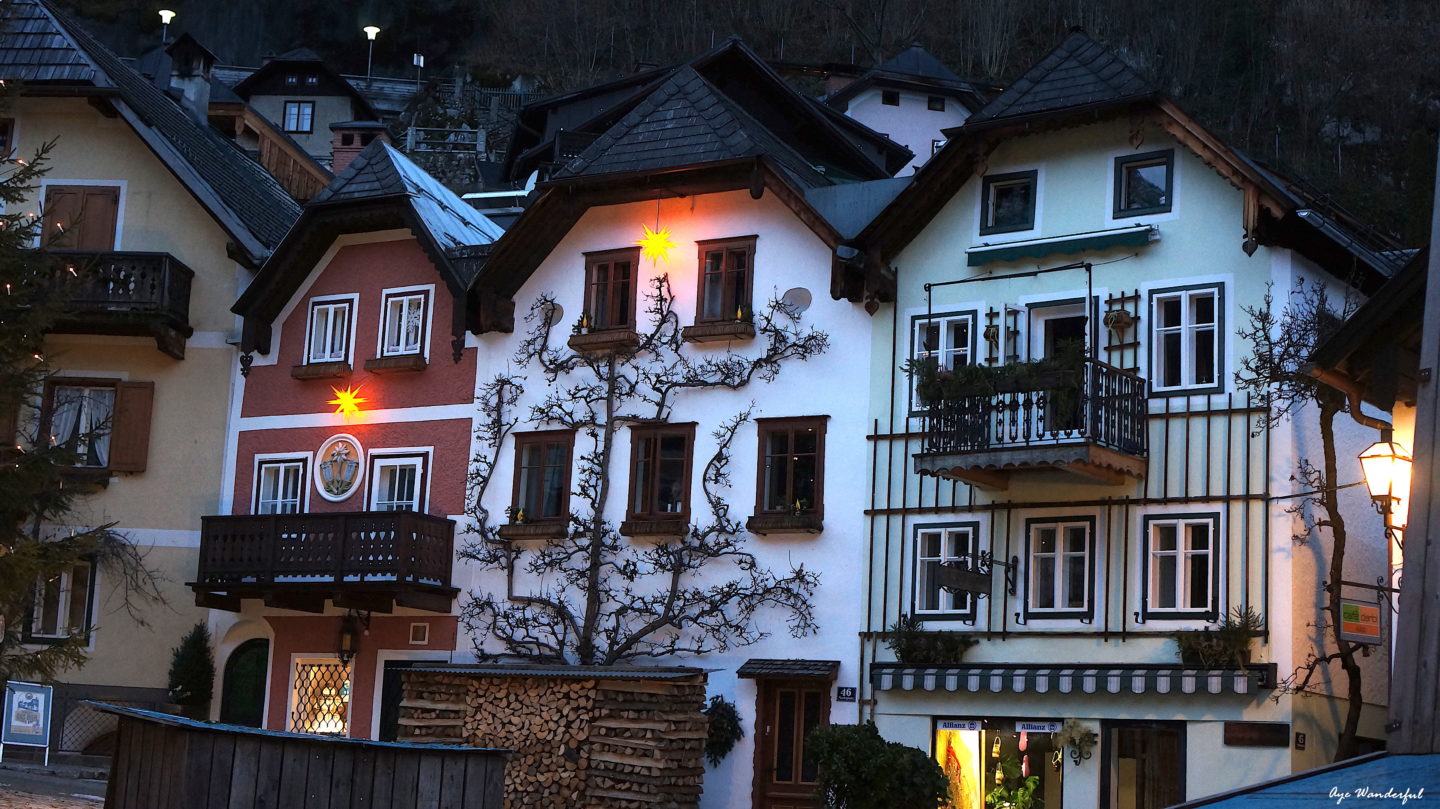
(550, 529)
(654, 528)
(718, 332)
(397, 364)
(784, 524)
(600, 342)
(321, 370)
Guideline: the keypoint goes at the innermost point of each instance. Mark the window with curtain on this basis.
(80, 422)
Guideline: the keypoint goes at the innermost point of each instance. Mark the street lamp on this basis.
(370, 32)
(1386, 466)
(166, 15)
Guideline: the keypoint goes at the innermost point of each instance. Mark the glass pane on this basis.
(1199, 535)
(1202, 309)
(1043, 585)
(810, 720)
(1045, 540)
(1204, 356)
(1164, 584)
(1199, 573)
(79, 596)
(1012, 205)
(930, 545)
(1145, 185)
(1075, 538)
(805, 470)
(1076, 587)
(554, 490)
(1170, 359)
(1169, 313)
(929, 337)
(1164, 537)
(339, 322)
(777, 494)
(671, 490)
(47, 614)
(959, 542)
(929, 593)
(785, 737)
(644, 476)
(714, 291)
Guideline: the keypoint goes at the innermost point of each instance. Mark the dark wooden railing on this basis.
(1098, 404)
(124, 283)
(351, 547)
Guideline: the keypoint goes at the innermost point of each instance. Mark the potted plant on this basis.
(1225, 645)
(914, 645)
(1015, 790)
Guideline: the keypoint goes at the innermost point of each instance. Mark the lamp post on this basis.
(370, 32)
(1386, 466)
(166, 15)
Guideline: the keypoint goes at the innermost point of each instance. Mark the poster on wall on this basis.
(27, 715)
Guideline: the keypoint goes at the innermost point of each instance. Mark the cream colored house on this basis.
(164, 221)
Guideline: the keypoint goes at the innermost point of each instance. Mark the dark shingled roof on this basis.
(684, 122)
(299, 55)
(916, 61)
(755, 668)
(244, 198)
(1078, 73)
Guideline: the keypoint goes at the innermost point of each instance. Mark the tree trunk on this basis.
(1330, 499)
(585, 648)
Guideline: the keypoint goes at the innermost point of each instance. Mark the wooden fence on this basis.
(169, 762)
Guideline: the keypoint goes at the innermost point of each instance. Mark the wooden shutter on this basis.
(130, 427)
(81, 217)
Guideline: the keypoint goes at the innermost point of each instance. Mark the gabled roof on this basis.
(1080, 72)
(685, 121)
(52, 53)
(916, 61)
(312, 61)
(915, 69)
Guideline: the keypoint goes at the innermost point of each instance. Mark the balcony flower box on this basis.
(784, 524)
(604, 341)
(724, 331)
(550, 529)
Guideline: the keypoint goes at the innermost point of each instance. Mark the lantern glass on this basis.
(1386, 466)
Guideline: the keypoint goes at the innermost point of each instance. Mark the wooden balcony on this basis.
(1090, 422)
(367, 560)
(146, 294)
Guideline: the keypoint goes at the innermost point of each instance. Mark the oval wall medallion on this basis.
(338, 467)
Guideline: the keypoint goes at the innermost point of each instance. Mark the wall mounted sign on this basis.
(1257, 734)
(958, 724)
(27, 715)
(1360, 622)
(338, 467)
(845, 693)
(1037, 727)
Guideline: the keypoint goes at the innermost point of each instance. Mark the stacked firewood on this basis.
(433, 708)
(647, 738)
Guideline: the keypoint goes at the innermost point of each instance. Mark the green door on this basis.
(242, 701)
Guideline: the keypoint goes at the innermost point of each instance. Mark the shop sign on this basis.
(1037, 727)
(957, 724)
(1257, 734)
(26, 715)
(1359, 622)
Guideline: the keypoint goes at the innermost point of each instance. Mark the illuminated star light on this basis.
(347, 402)
(655, 244)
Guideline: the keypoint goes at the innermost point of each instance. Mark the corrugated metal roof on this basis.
(571, 672)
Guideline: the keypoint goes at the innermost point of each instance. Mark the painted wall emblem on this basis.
(337, 467)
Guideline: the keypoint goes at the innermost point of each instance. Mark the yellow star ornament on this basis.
(347, 402)
(655, 244)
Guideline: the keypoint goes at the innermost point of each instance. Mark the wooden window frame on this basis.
(738, 244)
(609, 258)
(1186, 329)
(328, 302)
(1164, 157)
(398, 457)
(1032, 613)
(130, 416)
(1211, 610)
(425, 294)
(639, 431)
(28, 635)
(1031, 176)
(542, 438)
(767, 427)
(965, 613)
(300, 104)
(303, 461)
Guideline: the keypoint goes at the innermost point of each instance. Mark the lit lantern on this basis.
(347, 402)
(349, 638)
(655, 244)
(1386, 466)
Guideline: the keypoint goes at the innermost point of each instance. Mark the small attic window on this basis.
(347, 139)
(312, 80)
(936, 103)
(890, 98)
(365, 139)
(292, 78)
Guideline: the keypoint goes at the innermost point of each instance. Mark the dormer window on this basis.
(312, 80)
(292, 78)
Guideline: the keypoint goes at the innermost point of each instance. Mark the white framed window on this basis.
(329, 331)
(947, 339)
(62, 603)
(299, 116)
(935, 546)
(403, 322)
(280, 486)
(1180, 569)
(1060, 568)
(397, 483)
(1186, 339)
(79, 419)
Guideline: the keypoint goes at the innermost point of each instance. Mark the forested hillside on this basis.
(1341, 92)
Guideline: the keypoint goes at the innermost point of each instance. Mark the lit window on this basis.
(542, 474)
(1180, 566)
(312, 80)
(397, 483)
(936, 547)
(322, 697)
(62, 603)
(404, 328)
(329, 339)
(1186, 339)
(610, 290)
(299, 116)
(279, 487)
(292, 78)
(1005, 758)
(792, 457)
(1060, 559)
(80, 422)
(1143, 183)
(660, 472)
(945, 339)
(725, 278)
(1007, 202)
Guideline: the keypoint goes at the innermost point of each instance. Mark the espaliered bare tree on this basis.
(593, 596)
(1274, 375)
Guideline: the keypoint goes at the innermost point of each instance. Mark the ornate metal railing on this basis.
(124, 284)
(363, 546)
(1097, 403)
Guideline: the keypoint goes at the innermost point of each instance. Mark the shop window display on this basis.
(1014, 763)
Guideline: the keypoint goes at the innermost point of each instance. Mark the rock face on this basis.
(605, 742)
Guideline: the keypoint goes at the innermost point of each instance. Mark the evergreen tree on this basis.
(192, 669)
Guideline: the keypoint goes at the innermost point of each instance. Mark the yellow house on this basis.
(164, 220)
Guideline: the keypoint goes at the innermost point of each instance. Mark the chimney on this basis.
(350, 138)
(190, 66)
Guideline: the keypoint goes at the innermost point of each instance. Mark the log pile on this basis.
(602, 743)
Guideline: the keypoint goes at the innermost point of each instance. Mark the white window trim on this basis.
(1039, 313)
(1187, 345)
(87, 625)
(990, 239)
(123, 185)
(1212, 569)
(944, 319)
(378, 457)
(429, 319)
(1091, 583)
(307, 458)
(353, 299)
(290, 701)
(966, 602)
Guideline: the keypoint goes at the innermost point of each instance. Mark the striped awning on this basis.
(1071, 680)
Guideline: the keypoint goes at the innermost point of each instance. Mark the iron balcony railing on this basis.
(1096, 403)
(124, 285)
(351, 547)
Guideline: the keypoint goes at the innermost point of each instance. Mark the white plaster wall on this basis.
(912, 124)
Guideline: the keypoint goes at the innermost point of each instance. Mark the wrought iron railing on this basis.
(1096, 403)
(364, 546)
(123, 284)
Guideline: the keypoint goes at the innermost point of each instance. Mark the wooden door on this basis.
(786, 711)
(242, 695)
(81, 217)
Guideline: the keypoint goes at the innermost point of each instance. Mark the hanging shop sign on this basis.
(1359, 622)
(338, 467)
(27, 715)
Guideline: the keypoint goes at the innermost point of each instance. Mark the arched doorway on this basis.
(242, 701)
